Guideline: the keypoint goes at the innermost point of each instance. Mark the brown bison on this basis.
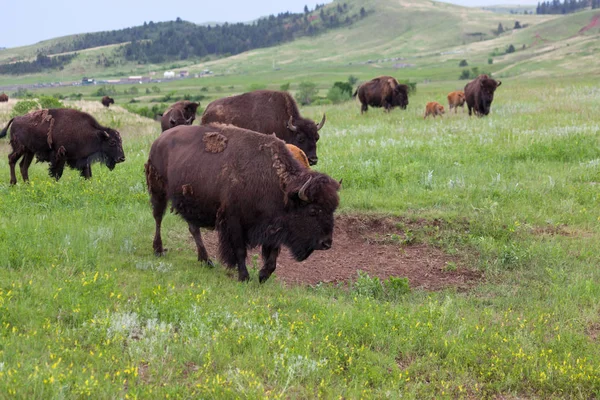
(384, 91)
(3, 98)
(181, 113)
(107, 101)
(268, 111)
(298, 155)
(456, 99)
(433, 108)
(479, 94)
(61, 136)
(246, 185)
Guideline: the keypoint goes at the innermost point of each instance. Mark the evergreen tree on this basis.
(305, 9)
(500, 29)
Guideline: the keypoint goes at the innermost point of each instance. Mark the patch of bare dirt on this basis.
(378, 246)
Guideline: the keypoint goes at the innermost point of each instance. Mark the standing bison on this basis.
(268, 111)
(3, 98)
(384, 91)
(181, 113)
(248, 186)
(456, 99)
(433, 108)
(107, 101)
(61, 136)
(479, 94)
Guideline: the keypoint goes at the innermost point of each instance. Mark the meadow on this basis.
(87, 310)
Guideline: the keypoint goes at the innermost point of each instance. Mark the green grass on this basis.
(86, 310)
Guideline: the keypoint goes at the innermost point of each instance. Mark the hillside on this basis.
(418, 39)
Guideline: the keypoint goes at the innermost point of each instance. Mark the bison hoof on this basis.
(160, 252)
(244, 277)
(208, 263)
(262, 278)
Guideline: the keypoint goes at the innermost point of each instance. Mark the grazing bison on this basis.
(61, 136)
(384, 91)
(107, 101)
(456, 99)
(245, 184)
(479, 94)
(433, 108)
(3, 98)
(181, 113)
(298, 155)
(268, 111)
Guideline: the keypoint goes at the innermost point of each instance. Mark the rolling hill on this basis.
(422, 38)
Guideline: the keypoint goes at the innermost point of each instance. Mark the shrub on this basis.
(412, 86)
(23, 107)
(256, 86)
(50, 102)
(307, 92)
(132, 90)
(465, 74)
(155, 89)
(352, 80)
(490, 60)
(463, 63)
(105, 91)
(510, 49)
(285, 87)
(337, 95)
(22, 93)
(390, 290)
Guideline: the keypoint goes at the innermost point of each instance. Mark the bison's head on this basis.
(488, 87)
(184, 115)
(111, 100)
(440, 109)
(312, 200)
(112, 147)
(401, 96)
(304, 133)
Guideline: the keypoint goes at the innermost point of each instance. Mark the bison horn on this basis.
(498, 83)
(105, 134)
(301, 192)
(290, 125)
(322, 122)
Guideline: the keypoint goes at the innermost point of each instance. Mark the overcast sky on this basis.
(30, 21)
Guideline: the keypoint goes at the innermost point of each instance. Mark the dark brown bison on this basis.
(245, 184)
(456, 99)
(107, 101)
(3, 98)
(268, 111)
(61, 136)
(479, 94)
(384, 91)
(181, 113)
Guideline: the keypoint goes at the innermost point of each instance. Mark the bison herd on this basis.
(245, 171)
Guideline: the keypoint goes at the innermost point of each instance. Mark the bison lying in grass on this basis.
(245, 184)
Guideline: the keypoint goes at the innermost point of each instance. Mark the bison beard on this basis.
(253, 192)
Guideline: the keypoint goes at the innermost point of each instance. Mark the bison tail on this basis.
(5, 130)
(355, 93)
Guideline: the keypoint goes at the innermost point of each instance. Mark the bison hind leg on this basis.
(13, 157)
(158, 200)
(364, 108)
(24, 165)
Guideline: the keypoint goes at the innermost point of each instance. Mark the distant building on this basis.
(88, 81)
(169, 75)
(183, 74)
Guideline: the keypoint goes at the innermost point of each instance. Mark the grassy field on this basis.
(86, 310)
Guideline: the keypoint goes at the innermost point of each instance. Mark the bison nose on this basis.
(326, 244)
(313, 160)
(121, 159)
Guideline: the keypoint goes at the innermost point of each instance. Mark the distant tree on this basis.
(465, 74)
(285, 87)
(463, 63)
(363, 12)
(517, 25)
(178, 20)
(307, 92)
(352, 80)
(490, 60)
(340, 9)
(475, 72)
(305, 9)
(345, 87)
(510, 49)
(500, 29)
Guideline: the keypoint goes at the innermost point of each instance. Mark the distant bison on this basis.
(384, 91)
(3, 98)
(268, 111)
(107, 101)
(433, 108)
(181, 113)
(245, 184)
(298, 155)
(479, 94)
(61, 136)
(456, 99)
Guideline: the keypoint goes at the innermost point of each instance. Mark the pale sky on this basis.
(30, 21)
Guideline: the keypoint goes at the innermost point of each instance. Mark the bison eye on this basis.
(112, 142)
(312, 212)
(300, 139)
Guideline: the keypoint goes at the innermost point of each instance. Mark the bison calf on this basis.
(61, 136)
(246, 185)
(456, 99)
(433, 108)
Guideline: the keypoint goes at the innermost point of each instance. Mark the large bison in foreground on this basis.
(479, 94)
(61, 136)
(3, 98)
(107, 101)
(268, 111)
(181, 113)
(245, 184)
(384, 91)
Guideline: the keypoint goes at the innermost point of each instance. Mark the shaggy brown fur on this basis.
(433, 108)
(298, 155)
(61, 136)
(181, 113)
(107, 101)
(268, 112)
(456, 99)
(479, 94)
(253, 192)
(3, 98)
(383, 91)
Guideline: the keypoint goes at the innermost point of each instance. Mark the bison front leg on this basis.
(86, 171)
(363, 108)
(269, 255)
(232, 246)
(202, 253)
